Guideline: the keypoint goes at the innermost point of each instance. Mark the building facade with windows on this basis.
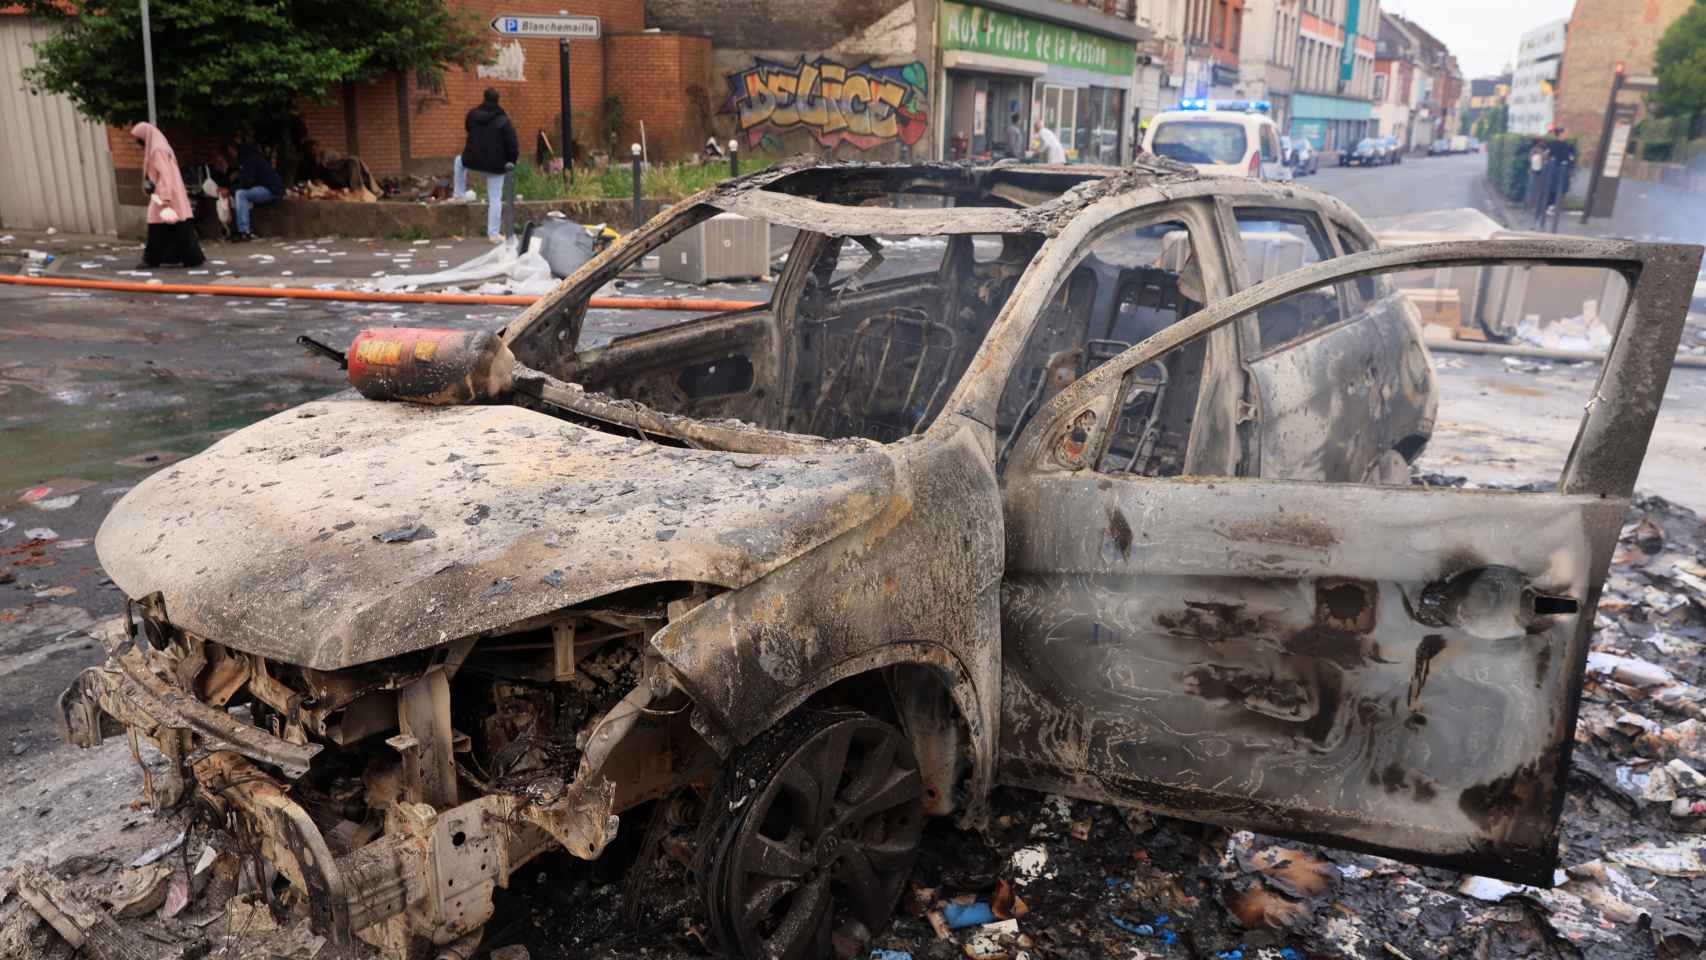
(1160, 76)
(1394, 87)
(1435, 82)
(1269, 54)
(1071, 66)
(1482, 96)
(1333, 80)
(1532, 82)
(1213, 34)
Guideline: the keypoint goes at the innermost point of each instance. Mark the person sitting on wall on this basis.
(254, 183)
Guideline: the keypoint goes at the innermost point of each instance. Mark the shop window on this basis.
(1060, 114)
(1099, 125)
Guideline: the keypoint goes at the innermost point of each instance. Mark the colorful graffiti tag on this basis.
(863, 105)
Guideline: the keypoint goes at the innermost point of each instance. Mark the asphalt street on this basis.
(99, 389)
(1417, 185)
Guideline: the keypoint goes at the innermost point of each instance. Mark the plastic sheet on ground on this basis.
(500, 271)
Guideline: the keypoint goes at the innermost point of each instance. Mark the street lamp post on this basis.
(148, 63)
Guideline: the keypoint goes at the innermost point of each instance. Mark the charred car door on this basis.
(1335, 352)
(1389, 668)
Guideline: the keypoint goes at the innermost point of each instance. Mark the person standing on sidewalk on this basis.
(254, 183)
(1560, 159)
(171, 231)
(491, 147)
(1536, 166)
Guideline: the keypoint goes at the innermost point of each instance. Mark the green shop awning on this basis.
(982, 30)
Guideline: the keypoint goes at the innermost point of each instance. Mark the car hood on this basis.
(346, 531)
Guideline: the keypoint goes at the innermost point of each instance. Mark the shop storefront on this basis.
(1002, 70)
(1331, 123)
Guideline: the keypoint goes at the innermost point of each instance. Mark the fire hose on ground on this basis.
(362, 296)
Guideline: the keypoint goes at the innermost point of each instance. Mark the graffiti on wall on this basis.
(863, 105)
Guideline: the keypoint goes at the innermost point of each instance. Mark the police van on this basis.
(1228, 138)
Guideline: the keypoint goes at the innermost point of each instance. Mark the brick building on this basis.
(1602, 34)
(1213, 36)
(1435, 82)
(400, 125)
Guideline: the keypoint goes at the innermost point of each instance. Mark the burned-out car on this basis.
(1088, 481)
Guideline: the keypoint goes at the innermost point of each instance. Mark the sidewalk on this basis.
(330, 262)
(1645, 211)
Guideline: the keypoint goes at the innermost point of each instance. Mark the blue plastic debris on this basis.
(972, 915)
(1287, 953)
(880, 954)
(1229, 955)
(1141, 929)
(1168, 938)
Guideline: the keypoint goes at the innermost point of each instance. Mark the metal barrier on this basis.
(509, 201)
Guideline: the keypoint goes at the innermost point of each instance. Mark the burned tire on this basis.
(811, 826)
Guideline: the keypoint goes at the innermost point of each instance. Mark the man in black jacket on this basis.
(254, 183)
(491, 146)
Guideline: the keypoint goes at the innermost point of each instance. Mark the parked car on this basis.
(1300, 155)
(1474, 145)
(1394, 152)
(782, 582)
(1460, 144)
(1440, 147)
(1233, 139)
(1369, 152)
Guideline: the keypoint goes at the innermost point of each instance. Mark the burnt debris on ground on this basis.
(1053, 877)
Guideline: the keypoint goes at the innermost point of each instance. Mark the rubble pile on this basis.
(1053, 877)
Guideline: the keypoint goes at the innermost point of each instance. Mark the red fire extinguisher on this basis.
(424, 365)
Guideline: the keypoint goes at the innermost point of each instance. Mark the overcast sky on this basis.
(1483, 35)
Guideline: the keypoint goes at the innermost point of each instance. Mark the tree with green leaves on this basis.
(1491, 122)
(224, 66)
(1679, 62)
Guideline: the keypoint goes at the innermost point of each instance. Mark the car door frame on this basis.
(1054, 750)
(1354, 309)
(1199, 216)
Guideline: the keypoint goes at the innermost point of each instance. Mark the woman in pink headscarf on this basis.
(171, 235)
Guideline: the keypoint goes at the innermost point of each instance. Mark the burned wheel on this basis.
(824, 816)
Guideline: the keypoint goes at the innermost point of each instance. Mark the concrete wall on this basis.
(303, 219)
(770, 24)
